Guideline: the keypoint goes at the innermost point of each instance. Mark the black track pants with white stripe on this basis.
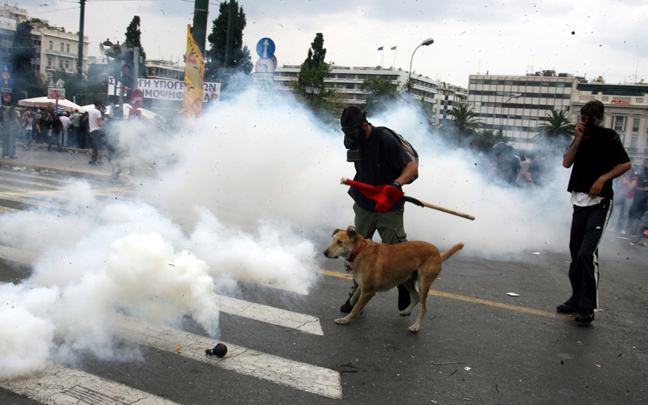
(588, 226)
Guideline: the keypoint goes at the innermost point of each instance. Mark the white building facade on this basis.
(59, 50)
(515, 105)
(347, 81)
(54, 48)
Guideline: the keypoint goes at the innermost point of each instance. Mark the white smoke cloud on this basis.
(250, 194)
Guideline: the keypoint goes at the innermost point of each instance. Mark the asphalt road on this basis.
(477, 344)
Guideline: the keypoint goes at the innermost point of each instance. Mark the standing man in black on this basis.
(380, 159)
(598, 157)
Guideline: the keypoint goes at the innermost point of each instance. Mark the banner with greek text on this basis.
(194, 71)
(167, 89)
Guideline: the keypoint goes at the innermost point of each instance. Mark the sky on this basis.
(514, 37)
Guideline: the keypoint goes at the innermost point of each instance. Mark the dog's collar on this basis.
(357, 252)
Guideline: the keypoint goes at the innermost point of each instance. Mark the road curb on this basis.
(75, 173)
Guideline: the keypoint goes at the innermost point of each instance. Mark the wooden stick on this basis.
(443, 209)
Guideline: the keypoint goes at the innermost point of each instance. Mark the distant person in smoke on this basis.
(82, 132)
(525, 176)
(56, 131)
(597, 156)
(10, 130)
(638, 206)
(379, 159)
(113, 149)
(623, 197)
(642, 231)
(75, 120)
(506, 164)
(28, 129)
(95, 122)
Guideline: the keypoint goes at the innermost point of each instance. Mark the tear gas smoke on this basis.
(247, 163)
(251, 194)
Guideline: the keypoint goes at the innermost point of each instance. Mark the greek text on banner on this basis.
(165, 89)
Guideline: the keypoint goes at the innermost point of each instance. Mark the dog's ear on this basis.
(352, 232)
(336, 231)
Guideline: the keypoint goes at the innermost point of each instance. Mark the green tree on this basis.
(133, 40)
(381, 92)
(314, 70)
(239, 58)
(464, 126)
(25, 81)
(556, 128)
(133, 35)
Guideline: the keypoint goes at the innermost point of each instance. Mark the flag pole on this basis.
(395, 49)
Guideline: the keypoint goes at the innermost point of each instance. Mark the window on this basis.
(67, 48)
(49, 61)
(618, 123)
(67, 65)
(633, 142)
(635, 125)
(51, 45)
(61, 63)
(62, 46)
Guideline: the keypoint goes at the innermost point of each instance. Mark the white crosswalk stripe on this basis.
(263, 313)
(301, 376)
(62, 385)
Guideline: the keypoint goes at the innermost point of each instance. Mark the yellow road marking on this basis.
(480, 301)
(464, 298)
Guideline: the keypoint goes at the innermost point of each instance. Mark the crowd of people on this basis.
(92, 130)
(31, 126)
(520, 168)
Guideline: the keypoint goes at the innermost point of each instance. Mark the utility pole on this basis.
(80, 53)
(136, 64)
(199, 29)
(231, 17)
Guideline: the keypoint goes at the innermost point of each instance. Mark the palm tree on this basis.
(465, 124)
(556, 127)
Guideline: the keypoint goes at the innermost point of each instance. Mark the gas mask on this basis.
(352, 142)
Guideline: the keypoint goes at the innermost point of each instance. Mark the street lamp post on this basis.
(508, 108)
(427, 42)
(312, 89)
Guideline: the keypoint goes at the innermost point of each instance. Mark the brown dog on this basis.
(377, 267)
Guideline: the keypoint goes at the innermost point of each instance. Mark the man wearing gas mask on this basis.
(597, 156)
(379, 159)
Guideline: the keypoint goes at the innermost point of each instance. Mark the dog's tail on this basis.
(452, 251)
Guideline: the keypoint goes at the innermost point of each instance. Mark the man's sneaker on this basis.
(567, 308)
(346, 307)
(404, 298)
(585, 315)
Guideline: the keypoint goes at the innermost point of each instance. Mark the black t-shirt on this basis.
(599, 152)
(56, 125)
(382, 161)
